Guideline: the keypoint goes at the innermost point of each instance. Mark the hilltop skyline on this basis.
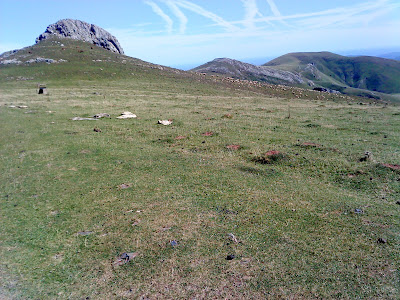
(180, 32)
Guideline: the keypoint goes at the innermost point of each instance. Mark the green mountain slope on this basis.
(338, 72)
(64, 62)
(70, 59)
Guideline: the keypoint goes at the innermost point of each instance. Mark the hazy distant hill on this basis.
(392, 55)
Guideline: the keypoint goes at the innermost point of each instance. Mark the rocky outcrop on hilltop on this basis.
(83, 31)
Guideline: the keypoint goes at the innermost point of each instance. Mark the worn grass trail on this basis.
(306, 226)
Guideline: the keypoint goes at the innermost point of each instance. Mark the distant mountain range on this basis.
(364, 75)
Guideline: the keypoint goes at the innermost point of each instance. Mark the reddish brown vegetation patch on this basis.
(208, 133)
(227, 116)
(272, 153)
(390, 166)
(270, 157)
(180, 137)
(233, 147)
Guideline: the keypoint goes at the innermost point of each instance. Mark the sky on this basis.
(183, 33)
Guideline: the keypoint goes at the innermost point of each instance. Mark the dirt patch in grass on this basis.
(270, 157)
(233, 147)
(180, 137)
(208, 133)
(391, 166)
(227, 116)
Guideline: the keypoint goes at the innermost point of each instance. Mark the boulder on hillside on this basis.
(83, 31)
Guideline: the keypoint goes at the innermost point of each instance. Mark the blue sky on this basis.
(192, 32)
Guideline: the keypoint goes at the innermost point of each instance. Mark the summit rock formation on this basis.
(83, 31)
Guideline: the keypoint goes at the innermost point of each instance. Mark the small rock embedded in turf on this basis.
(97, 129)
(367, 156)
(173, 243)
(124, 258)
(101, 115)
(165, 122)
(124, 186)
(233, 238)
(230, 257)
(381, 241)
(85, 232)
(358, 211)
(127, 115)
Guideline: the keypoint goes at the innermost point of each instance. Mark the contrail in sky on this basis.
(207, 14)
(274, 8)
(162, 14)
(251, 12)
(179, 14)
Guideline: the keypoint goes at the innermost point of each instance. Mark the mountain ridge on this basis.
(362, 76)
(245, 71)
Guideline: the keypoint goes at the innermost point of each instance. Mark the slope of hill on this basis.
(364, 76)
(62, 62)
(254, 191)
(63, 58)
(339, 72)
(392, 55)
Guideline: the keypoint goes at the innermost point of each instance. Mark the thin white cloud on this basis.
(343, 15)
(204, 47)
(251, 11)
(179, 14)
(207, 14)
(366, 24)
(274, 8)
(169, 23)
(276, 12)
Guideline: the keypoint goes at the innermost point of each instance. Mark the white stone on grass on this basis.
(127, 115)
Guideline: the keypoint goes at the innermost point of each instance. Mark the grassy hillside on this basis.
(210, 211)
(335, 71)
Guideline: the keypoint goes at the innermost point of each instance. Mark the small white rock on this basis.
(127, 115)
(164, 122)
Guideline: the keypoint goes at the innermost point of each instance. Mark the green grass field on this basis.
(303, 226)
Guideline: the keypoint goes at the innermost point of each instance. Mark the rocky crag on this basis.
(83, 31)
(245, 71)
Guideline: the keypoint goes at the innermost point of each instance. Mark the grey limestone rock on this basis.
(80, 30)
(238, 69)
